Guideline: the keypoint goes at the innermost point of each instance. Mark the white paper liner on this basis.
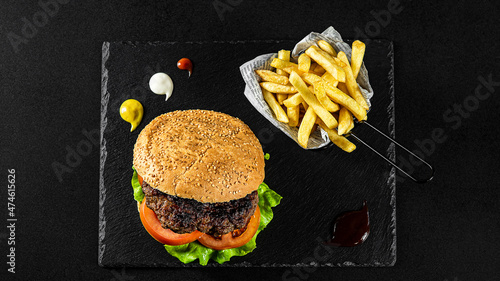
(253, 92)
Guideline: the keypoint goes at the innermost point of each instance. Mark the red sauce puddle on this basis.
(351, 228)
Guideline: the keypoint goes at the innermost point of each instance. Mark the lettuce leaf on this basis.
(138, 194)
(190, 252)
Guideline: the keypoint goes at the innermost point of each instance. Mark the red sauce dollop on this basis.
(185, 64)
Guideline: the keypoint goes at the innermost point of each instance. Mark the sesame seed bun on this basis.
(200, 154)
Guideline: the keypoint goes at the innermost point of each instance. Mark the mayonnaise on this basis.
(161, 84)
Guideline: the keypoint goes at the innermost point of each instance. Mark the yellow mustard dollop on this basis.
(131, 111)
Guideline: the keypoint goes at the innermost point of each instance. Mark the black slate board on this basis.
(316, 185)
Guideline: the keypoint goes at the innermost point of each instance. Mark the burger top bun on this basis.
(200, 154)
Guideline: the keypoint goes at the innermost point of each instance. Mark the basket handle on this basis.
(420, 181)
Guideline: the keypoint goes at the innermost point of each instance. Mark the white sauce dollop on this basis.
(161, 84)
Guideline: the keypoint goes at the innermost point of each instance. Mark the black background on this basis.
(447, 229)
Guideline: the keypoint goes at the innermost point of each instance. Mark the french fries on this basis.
(319, 69)
(325, 46)
(317, 88)
(346, 122)
(358, 52)
(312, 101)
(293, 101)
(327, 63)
(291, 68)
(278, 88)
(306, 126)
(269, 76)
(283, 55)
(345, 100)
(339, 141)
(329, 79)
(310, 78)
(293, 115)
(342, 87)
(304, 63)
(281, 98)
(351, 83)
(319, 91)
(280, 64)
(288, 67)
(305, 105)
(275, 107)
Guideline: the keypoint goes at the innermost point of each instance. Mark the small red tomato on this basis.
(185, 64)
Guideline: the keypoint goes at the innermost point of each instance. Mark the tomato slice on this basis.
(162, 235)
(140, 179)
(227, 241)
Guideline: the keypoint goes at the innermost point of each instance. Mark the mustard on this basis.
(131, 111)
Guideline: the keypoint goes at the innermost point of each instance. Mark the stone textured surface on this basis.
(316, 185)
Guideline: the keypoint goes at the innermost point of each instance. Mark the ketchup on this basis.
(351, 228)
(185, 64)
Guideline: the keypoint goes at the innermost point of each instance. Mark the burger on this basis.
(198, 179)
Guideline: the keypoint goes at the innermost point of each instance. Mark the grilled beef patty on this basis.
(183, 215)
